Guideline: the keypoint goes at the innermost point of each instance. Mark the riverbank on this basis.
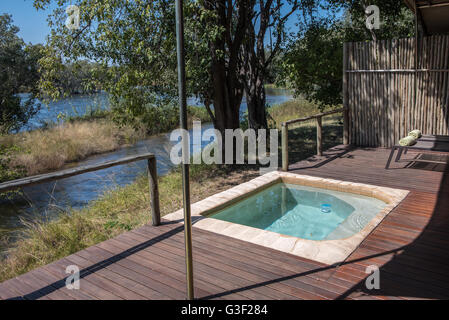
(51, 148)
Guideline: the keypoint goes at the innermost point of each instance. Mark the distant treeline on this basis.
(21, 71)
(76, 78)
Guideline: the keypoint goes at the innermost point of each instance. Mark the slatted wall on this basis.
(379, 89)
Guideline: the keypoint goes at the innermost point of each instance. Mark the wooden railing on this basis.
(319, 132)
(53, 176)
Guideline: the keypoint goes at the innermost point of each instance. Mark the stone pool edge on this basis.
(324, 251)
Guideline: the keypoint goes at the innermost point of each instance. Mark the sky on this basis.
(32, 23)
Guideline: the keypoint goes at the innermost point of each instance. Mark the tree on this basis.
(135, 44)
(313, 62)
(18, 74)
(396, 20)
(313, 65)
(132, 44)
(269, 17)
(232, 19)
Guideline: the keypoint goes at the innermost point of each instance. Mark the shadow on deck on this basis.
(411, 245)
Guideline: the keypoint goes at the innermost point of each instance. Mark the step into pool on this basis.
(304, 212)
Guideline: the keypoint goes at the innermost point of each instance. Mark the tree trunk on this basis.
(256, 101)
(227, 87)
(227, 97)
(253, 71)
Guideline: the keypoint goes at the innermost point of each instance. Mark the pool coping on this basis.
(325, 251)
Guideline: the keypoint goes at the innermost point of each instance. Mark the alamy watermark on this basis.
(234, 153)
(73, 17)
(73, 280)
(372, 17)
(373, 280)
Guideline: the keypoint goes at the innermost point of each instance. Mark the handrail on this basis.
(52, 176)
(319, 129)
(319, 115)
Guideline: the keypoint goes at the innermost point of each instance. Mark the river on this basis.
(47, 200)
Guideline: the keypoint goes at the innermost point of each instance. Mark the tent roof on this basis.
(433, 14)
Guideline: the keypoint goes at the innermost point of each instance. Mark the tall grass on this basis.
(75, 139)
(302, 136)
(293, 109)
(45, 150)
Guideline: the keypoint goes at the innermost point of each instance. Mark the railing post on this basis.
(319, 129)
(345, 96)
(154, 191)
(284, 146)
(346, 127)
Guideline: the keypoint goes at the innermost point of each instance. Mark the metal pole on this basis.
(319, 135)
(186, 144)
(415, 77)
(284, 139)
(345, 95)
(154, 192)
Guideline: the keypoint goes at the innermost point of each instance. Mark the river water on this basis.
(47, 200)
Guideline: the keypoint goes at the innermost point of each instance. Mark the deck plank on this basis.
(409, 247)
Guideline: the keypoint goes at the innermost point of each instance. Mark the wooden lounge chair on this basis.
(427, 143)
(435, 138)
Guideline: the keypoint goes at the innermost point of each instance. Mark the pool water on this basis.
(304, 212)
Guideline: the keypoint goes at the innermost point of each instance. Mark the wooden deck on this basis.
(411, 248)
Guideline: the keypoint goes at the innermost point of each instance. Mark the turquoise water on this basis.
(296, 210)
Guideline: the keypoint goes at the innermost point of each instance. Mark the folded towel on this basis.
(415, 134)
(407, 141)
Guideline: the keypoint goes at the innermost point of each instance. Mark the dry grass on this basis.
(41, 151)
(302, 136)
(49, 149)
(117, 211)
(293, 109)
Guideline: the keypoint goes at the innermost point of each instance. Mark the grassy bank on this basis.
(48, 149)
(302, 136)
(293, 109)
(275, 86)
(116, 212)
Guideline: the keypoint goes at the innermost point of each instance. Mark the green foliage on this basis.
(7, 171)
(293, 109)
(156, 118)
(90, 114)
(274, 71)
(396, 20)
(313, 62)
(18, 74)
(313, 65)
(198, 114)
(79, 77)
(133, 46)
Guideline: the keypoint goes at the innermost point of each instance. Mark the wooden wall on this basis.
(379, 89)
